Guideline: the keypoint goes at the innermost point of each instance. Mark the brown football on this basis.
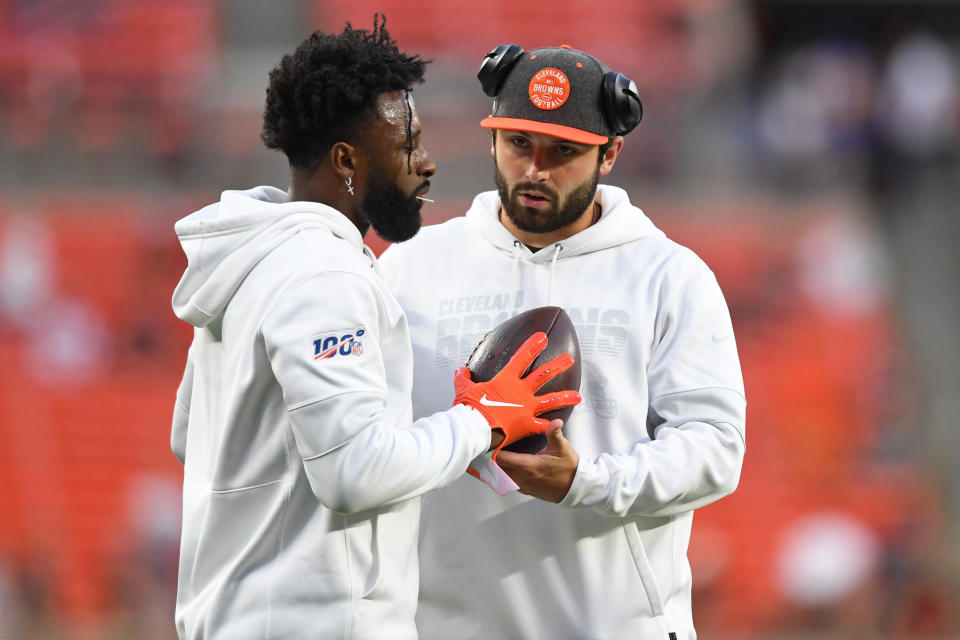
(497, 347)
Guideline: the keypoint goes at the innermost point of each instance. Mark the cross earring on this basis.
(349, 184)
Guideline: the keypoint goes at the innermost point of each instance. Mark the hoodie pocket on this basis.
(647, 577)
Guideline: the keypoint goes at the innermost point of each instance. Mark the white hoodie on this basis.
(301, 467)
(660, 431)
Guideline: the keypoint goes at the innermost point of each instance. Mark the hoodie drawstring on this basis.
(515, 274)
(553, 266)
(372, 257)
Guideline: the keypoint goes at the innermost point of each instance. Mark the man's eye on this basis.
(565, 150)
(520, 142)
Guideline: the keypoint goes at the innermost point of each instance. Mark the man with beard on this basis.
(593, 545)
(302, 468)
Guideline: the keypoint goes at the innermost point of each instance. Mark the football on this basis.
(496, 348)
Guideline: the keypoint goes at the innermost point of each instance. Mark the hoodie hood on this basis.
(225, 240)
(620, 222)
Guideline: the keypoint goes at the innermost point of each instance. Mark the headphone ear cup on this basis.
(621, 102)
(495, 67)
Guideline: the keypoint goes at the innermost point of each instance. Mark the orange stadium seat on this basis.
(86, 447)
(129, 61)
(72, 450)
(465, 30)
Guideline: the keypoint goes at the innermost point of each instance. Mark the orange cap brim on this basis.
(556, 130)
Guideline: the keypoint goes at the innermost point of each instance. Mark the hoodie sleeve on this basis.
(354, 455)
(181, 412)
(696, 418)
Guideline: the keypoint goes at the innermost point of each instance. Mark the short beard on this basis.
(545, 220)
(394, 215)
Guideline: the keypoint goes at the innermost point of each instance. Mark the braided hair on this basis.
(326, 91)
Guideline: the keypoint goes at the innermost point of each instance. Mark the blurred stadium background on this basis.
(808, 150)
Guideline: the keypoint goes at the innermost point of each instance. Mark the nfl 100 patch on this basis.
(339, 344)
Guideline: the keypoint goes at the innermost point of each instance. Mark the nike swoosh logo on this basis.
(495, 403)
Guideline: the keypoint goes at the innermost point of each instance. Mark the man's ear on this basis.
(610, 156)
(493, 142)
(344, 159)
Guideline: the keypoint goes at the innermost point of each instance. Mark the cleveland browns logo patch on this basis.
(549, 88)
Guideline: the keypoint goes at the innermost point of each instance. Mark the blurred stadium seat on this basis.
(79, 443)
(101, 69)
(92, 354)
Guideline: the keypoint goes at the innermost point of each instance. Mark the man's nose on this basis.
(536, 169)
(426, 167)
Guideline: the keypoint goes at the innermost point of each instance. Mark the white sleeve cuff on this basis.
(589, 479)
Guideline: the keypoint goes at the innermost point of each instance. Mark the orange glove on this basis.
(509, 401)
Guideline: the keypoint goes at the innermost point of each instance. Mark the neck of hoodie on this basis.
(327, 187)
(536, 241)
(620, 223)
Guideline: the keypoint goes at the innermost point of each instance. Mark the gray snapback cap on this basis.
(555, 91)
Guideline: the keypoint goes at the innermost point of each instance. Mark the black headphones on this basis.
(620, 101)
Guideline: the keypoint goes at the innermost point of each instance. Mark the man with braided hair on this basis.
(302, 466)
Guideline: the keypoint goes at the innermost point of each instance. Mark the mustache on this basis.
(534, 187)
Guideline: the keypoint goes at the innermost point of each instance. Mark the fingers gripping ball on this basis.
(509, 400)
(501, 343)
